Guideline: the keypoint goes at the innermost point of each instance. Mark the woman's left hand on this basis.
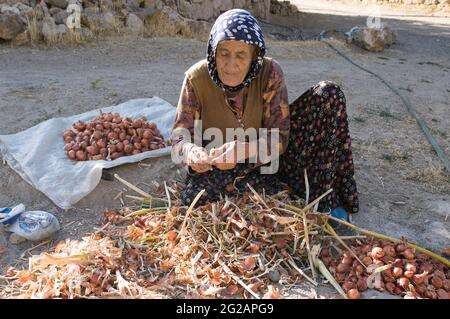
(228, 155)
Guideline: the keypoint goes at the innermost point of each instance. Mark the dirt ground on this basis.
(403, 189)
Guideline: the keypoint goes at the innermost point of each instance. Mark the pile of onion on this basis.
(109, 136)
(409, 274)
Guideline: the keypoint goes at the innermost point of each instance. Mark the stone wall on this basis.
(25, 21)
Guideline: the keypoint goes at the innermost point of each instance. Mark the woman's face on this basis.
(233, 59)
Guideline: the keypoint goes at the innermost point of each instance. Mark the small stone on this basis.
(274, 276)
(58, 3)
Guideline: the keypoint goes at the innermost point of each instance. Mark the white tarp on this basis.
(37, 154)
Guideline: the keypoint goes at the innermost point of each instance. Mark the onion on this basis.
(377, 252)
(92, 150)
(68, 139)
(403, 282)
(116, 155)
(101, 144)
(362, 284)
(431, 294)
(436, 282)
(367, 261)
(409, 254)
(68, 147)
(342, 268)
(97, 135)
(439, 274)
(401, 248)
(145, 142)
(127, 148)
(83, 145)
(113, 136)
(419, 278)
(136, 124)
(104, 152)
(139, 132)
(136, 152)
(80, 155)
(119, 147)
(442, 294)
(71, 154)
(390, 287)
(353, 294)
(326, 260)
(107, 125)
(426, 267)
(348, 285)
(446, 252)
(76, 147)
(410, 267)
(408, 274)
(109, 117)
(347, 260)
(137, 146)
(122, 136)
(397, 272)
(389, 250)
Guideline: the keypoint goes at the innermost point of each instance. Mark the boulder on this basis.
(10, 25)
(96, 21)
(58, 3)
(21, 39)
(168, 21)
(372, 39)
(51, 31)
(134, 24)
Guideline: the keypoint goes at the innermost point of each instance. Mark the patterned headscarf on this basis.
(235, 24)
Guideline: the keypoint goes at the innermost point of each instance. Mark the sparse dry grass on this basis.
(437, 179)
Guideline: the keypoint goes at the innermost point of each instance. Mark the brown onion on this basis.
(397, 272)
(116, 155)
(401, 248)
(362, 284)
(348, 285)
(71, 154)
(367, 261)
(353, 294)
(342, 268)
(408, 274)
(409, 254)
(390, 287)
(389, 250)
(436, 282)
(442, 294)
(377, 252)
(80, 155)
(403, 282)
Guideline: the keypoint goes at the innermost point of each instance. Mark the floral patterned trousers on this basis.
(319, 142)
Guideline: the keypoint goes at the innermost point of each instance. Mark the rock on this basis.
(16, 239)
(22, 39)
(10, 25)
(134, 25)
(39, 12)
(98, 22)
(373, 39)
(167, 21)
(61, 17)
(51, 31)
(58, 3)
(8, 8)
(274, 276)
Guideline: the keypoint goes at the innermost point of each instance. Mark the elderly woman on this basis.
(236, 86)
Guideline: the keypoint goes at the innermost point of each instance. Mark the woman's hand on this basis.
(198, 159)
(228, 155)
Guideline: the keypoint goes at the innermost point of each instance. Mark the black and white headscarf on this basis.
(235, 24)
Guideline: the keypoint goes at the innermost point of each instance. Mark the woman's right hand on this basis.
(198, 159)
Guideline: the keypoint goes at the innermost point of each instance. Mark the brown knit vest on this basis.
(213, 107)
